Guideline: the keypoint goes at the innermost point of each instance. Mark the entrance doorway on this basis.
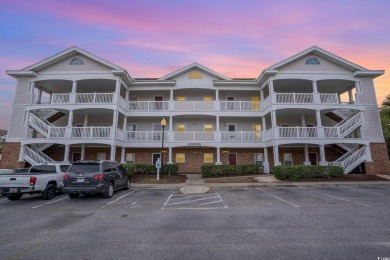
(76, 157)
(232, 159)
(313, 158)
(155, 158)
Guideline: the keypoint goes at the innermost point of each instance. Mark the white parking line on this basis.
(121, 197)
(348, 200)
(187, 201)
(51, 202)
(279, 198)
(349, 188)
(202, 195)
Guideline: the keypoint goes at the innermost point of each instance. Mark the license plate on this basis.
(80, 180)
(13, 190)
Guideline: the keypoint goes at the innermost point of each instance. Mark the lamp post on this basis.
(163, 124)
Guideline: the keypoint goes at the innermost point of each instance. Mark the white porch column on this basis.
(262, 95)
(112, 153)
(170, 123)
(39, 96)
(368, 153)
(350, 96)
(171, 94)
(263, 127)
(276, 155)
(21, 153)
(82, 152)
(318, 118)
(322, 155)
(307, 162)
(85, 120)
(123, 155)
(127, 95)
(66, 153)
(266, 162)
(275, 128)
(117, 92)
(217, 123)
(216, 94)
(170, 154)
(115, 118)
(72, 97)
(70, 118)
(124, 123)
(271, 91)
(358, 91)
(218, 162)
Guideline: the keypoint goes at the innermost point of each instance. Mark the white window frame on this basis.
(284, 159)
(131, 155)
(185, 98)
(204, 157)
(235, 127)
(208, 100)
(212, 127)
(97, 156)
(183, 157)
(262, 158)
(185, 127)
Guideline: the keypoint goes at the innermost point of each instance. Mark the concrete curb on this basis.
(260, 184)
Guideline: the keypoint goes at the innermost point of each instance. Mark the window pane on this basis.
(130, 157)
(207, 128)
(258, 157)
(180, 158)
(180, 128)
(101, 156)
(181, 98)
(208, 158)
(207, 98)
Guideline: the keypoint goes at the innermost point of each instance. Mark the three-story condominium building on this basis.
(312, 108)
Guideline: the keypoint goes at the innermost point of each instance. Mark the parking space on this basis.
(296, 197)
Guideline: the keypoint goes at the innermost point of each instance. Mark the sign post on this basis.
(158, 166)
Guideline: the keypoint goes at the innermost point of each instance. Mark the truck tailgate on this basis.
(14, 180)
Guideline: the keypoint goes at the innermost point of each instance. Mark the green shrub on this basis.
(210, 170)
(148, 168)
(297, 172)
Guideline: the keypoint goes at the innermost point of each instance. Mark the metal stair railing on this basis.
(32, 157)
(350, 125)
(42, 155)
(39, 125)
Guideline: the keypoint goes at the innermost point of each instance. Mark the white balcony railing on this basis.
(294, 98)
(93, 98)
(147, 136)
(91, 132)
(193, 105)
(241, 136)
(329, 98)
(193, 136)
(240, 105)
(148, 105)
(60, 98)
(298, 132)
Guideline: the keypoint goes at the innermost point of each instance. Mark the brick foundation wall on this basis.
(10, 156)
(380, 159)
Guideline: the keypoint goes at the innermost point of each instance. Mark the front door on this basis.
(155, 157)
(313, 158)
(76, 157)
(158, 102)
(232, 159)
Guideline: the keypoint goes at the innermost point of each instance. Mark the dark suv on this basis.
(87, 177)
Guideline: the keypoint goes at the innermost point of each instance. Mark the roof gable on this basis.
(193, 67)
(317, 51)
(67, 55)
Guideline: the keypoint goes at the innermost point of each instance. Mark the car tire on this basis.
(49, 192)
(14, 196)
(127, 187)
(73, 195)
(109, 192)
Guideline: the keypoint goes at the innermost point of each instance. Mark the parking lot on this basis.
(267, 222)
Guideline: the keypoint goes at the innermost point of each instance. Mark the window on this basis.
(180, 128)
(208, 158)
(180, 158)
(257, 129)
(76, 61)
(181, 98)
(101, 156)
(312, 61)
(255, 103)
(208, 128)
(207, 98)
(287, 157)
(131, 131)
(259, 159)
(130, 158)
(64, 167)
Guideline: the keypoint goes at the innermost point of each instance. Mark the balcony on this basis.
(241, 136)
(82, 98)
(306, 98)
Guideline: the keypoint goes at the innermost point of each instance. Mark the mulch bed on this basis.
(231, 180)
(348, 177)
(151, 178)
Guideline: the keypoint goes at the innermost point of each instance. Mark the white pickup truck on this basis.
(45, 179)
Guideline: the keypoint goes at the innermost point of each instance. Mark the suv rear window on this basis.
(84, 167)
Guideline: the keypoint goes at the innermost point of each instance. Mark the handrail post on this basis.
(91, 132)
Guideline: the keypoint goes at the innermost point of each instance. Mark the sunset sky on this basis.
(153, 38)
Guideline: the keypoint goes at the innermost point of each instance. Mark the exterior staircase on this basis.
(351, 159)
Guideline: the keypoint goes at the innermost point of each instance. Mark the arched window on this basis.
(312, 61)
(195, 75)
(76, 61)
